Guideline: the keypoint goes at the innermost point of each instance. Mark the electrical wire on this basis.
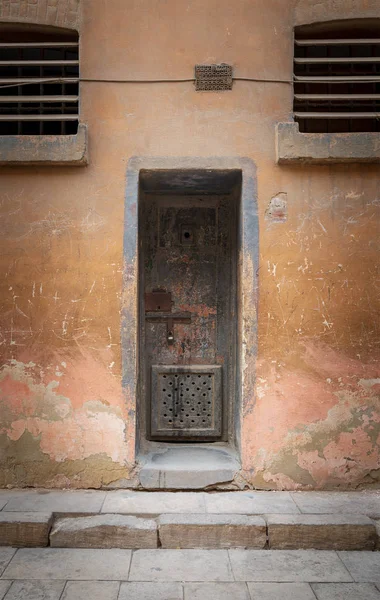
(141, 81)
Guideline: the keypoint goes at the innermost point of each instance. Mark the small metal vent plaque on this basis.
(186, 402)
(215, 78)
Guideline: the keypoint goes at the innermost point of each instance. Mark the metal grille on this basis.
(337, 84)
(186, 402)
(39, 86)
(213, 78)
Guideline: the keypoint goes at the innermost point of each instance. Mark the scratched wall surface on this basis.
(312, 417)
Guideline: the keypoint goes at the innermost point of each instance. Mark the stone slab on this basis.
(91, 590)
(283, 591)
(377, 525)
(150, 591)
(324, 148)
(87, 501)
(35, 590)
(187, 467)
(104, 531)
(251, 503)
(363, 566)
(362, 503)
(322, 532)
(6, 554)
(4, 587)
(63, 563)
(49, 150)
(211, 531)
(216, 591)
(25, 530)
(346, 591)
(153, 503)
(180, 565)
(288, 566)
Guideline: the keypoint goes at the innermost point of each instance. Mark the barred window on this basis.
(39, 81)
(337, 77)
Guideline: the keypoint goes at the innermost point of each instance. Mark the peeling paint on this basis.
(308, 300)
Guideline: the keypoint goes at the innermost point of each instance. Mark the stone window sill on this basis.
(293, 147)
(49, 150)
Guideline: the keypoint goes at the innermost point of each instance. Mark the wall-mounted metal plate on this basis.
(214, 78)
(186, 402)
(158, 301)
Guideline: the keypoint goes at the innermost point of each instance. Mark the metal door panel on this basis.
(187, 265)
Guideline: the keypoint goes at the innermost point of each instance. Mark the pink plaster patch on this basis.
(16, 396)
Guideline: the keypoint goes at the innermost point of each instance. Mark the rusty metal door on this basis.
(187, 258)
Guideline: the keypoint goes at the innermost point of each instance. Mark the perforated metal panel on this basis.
(213, 77)
(186, 402)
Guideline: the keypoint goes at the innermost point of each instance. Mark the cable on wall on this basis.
(143, 81)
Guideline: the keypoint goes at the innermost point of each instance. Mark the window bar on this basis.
(350, 105)
(374, 103)
(42, 54)
(330, 73)
(338, 42)
(19, 91)
(63, 92)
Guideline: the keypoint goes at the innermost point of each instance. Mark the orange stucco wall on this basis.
(314, 417)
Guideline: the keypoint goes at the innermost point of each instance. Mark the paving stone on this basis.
(211, 531)
(91, 590)
(180, 565)
(250, 503)
(216, 591)
(285, 591)
(4, 587)
(364, 503)
(25, 529)
(150, 591)
(323, 532)
(363, 566)
(88, 501)
(6, 495)
(104, 531)
(35, 590)
(287, 566)
(153, 503)
(5, 556)
(348, 591)
(57, 563)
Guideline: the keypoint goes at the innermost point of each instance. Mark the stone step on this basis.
(181, 530)
(321, 532)
(25, 529)
(211, 531)
(104, 531)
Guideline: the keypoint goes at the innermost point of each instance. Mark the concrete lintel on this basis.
(45, 150)
(293, 147)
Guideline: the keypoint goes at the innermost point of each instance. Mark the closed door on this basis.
(188, 287)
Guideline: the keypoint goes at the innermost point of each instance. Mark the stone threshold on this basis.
(187, 531)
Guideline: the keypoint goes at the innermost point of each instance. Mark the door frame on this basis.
(247, 289)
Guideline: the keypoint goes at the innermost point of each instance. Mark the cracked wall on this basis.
(311, 411)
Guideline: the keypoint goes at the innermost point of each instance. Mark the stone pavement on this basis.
(156, 503)
(72, 574)
(75, 568)
(126, 519)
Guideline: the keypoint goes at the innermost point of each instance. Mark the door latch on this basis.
(171, 320)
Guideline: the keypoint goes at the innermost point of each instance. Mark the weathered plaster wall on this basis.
(312, 418)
